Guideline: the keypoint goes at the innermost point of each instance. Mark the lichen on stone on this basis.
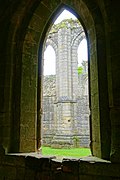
(66, 23)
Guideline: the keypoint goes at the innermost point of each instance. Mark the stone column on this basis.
(64, 86)
(64, 65)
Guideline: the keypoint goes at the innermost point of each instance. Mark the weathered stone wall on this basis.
(102, 24)
(80, 128)
(49, 97)
(83, 121)
(65, 96)
(33, 166)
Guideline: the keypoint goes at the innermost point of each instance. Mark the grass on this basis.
(72, 152)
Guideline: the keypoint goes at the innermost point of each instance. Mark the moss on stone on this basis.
(65, 24)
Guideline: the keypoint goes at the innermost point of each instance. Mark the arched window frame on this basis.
(32, 47)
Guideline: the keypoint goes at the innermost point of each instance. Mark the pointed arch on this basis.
(31, 72)
(49, 60)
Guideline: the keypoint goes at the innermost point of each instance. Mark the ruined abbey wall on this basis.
(65, 95)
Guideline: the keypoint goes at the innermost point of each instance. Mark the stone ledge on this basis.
(67, 167)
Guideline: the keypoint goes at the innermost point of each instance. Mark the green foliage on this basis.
(76, 141)
(64, 24)
(80, 70)
(73, 152)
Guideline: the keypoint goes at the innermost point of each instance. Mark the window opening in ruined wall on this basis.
(65, 119)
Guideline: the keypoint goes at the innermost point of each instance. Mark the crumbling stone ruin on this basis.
(65, 95)
(23, 27)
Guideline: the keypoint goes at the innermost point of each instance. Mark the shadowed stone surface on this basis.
(23, 27)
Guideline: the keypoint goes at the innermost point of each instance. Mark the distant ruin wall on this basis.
(81, 132)
(65, 96)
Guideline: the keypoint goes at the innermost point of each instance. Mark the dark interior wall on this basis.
(110, 12)
(15, 17)
(115, 74)
(6, 12)
(18, 27)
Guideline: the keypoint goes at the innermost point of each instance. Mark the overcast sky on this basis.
(64, 15)
(49, 54)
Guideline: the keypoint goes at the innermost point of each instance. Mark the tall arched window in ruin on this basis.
(65, 119)
(26, 110)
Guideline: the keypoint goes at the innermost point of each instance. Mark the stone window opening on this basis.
(66, 109)
(26, 104)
